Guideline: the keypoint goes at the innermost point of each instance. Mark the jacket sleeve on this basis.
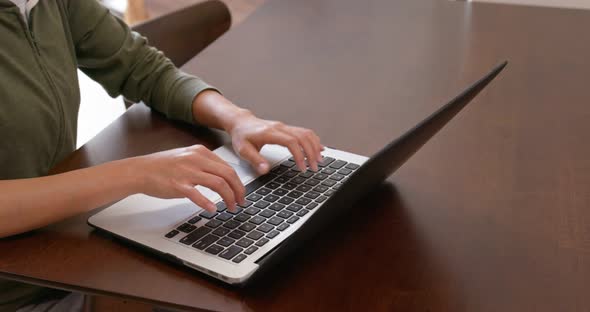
(123, 63)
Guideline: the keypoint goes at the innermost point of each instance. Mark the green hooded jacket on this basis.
(39, 93)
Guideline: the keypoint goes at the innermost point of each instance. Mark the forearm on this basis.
(213, 110)
(27, 204)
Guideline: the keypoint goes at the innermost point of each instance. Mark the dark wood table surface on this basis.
(491, 215)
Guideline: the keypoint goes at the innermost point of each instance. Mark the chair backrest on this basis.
(184, 33)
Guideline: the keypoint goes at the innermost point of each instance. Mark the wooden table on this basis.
(491, 215)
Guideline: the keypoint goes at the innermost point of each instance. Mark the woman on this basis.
(44, 42)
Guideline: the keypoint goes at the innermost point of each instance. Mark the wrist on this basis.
(212, 109)
(128, 176)
(234, 118)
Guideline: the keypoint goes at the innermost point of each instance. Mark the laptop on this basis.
(284, 208)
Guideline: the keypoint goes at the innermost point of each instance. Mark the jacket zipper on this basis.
(33, 42)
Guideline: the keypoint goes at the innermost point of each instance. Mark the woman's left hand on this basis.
(249, 134)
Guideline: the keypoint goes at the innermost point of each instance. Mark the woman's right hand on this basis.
(175, 173)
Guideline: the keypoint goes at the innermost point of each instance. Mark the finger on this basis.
(218, 185)
(319, 146)
(290, 142)
(229, 175)
(196, 197)
(251, 154)
(310, 151)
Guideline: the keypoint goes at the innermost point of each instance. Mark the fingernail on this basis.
(262, 168)
(211, 207)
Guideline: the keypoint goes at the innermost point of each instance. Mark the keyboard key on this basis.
(288, 163)
(281, 180)
(254, 197)
(328, 171)
(257, 220)
(247, 227)
(329, 193)
(224, 216)
(273, 234)
(294, 207)
(261, 242)
(267, 213)
(236, 234)
(289, 186)
(321, 188)
(286, 200)
(231, 224)
(352, 166)
(328, 182)
(312, 182)
(252, 211)
(283, 226)
(261, 204)
(293, 219)
(344, 172)
(213, 223)
(306, 175)
(271, 198)
(246, 204)
(244, 242)
(280, 192)
(187, 228)
(303, 188)
(312, 206)
(221, 231)
(225, 241)
(208, 215)
(294, 194)
(338, 164)
(220, 206)
(238, 209)
(230, 252)
(265, 228)
(250, 250)
(195, 235)
(194, 220)
(302, 212)
(283, 214)
(260, 181)
(263, 191)
(337, 186)
(337, 177)
(312, 195)
(325, 161)
(205, 241)
(275, 220)
(239, 258)
(304, 201)
(172, 233)
(297, 180)
(279, 169)
(290, 174)
(214, 249)
(272, 185)
(242, 217)
(255, 235)
(320, 176)
(321, 199)
(276, 207)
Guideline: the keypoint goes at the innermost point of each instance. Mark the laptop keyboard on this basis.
(274, 202)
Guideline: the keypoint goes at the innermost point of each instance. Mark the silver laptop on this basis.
(284, 208)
